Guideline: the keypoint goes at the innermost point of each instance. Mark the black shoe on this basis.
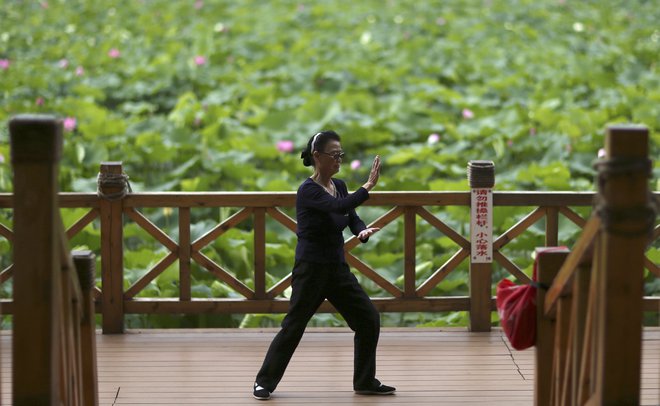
(378, 389)
(260, 392)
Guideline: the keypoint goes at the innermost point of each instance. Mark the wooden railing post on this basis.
(551, 227)
(409, 244)
(581, 336)
(36, 144)
(69, 322)
(627, 216)
(548, 265)
(185, 288)
(86, 270)
(481, 176)
(112, 189)
(259, 253)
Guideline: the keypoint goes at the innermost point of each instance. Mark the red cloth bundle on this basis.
(516, 306)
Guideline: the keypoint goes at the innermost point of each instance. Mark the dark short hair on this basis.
(319, 141)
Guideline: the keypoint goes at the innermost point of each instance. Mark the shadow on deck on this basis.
(428, 367)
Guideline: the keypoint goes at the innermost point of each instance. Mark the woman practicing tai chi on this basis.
(323, 210)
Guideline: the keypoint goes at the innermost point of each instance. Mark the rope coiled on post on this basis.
(613, 218)
(113, 180)
(621, 166)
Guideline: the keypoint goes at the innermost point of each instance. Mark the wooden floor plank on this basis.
(428, 367)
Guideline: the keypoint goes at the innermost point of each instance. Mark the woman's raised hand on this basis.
(373, 175)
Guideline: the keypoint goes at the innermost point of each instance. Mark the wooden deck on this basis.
(428, 367)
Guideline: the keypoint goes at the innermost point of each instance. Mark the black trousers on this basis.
(311, 284)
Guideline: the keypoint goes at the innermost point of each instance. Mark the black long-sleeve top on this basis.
(322, 219)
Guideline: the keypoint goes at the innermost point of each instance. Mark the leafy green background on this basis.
(196, 96)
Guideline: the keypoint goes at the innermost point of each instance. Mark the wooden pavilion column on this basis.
(36, 144)
(627, 219)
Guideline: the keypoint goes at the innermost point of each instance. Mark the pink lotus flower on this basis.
(44, 4)
(39, 101)
(468, 114)
(285, 146)
(70, 123)
(80, 71)
(114, 53)
(199, 4)
(63, 63)
(601, 153)
(532, 131)
(433, 139)
(355, 164)
(4, 64)
(200, 60)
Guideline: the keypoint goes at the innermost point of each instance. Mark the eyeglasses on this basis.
(336, 156)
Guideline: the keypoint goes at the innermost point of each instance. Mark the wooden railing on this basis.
(54, 357)
(113, 206)
(590, 319)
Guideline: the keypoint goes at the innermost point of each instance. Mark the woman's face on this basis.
(329, 160)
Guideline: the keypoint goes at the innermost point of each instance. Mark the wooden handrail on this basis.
(578, 255)
(590, 322)
(68, 266)
(287, 199)
(548, 265)
(254, 207)
(115, 302)
(84, 262)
